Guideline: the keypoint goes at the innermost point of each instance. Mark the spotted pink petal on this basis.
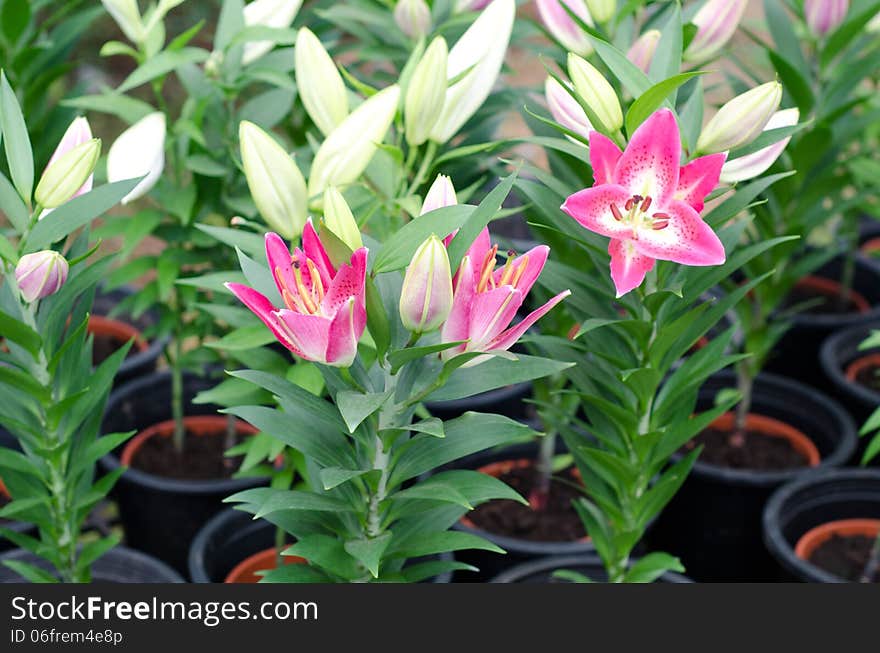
(280, 264)
(649, 165)
(604, 155)
(591, 207)
(264, 310)
(686, 239)
(491, 312)
(314, 249)
(309, 333)
(509, 337)
(346, 329)
(535, 259)
(628, 267)
(455, 329)
(699, 178)
(348, 282)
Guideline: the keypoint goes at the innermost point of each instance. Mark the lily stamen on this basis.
(304, 294)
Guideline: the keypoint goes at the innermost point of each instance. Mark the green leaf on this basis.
(793, 82)
(94, 550)
(247, 241)
(651, 567)
(655, 96)
(630, 75)
(355, 407)
(270, 500)
(20, 333)
(398, 250)
(401, 357)
(244, 338)
(14, 18)
(16, 141)
(124, 107)
(334, 476)
(326, 552)
(851, 29)
(29, 572)
(230, 23)
(12, 206)
(161, 64)
(369, 551)
(202, 164)
(495, 373)
(424, 544)
(431, 426)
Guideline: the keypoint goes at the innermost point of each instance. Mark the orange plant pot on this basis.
(831, 288)
(117, 330)
(868, 361)
(266, 560)
(815, 537)
(773, 428)
(198, 425)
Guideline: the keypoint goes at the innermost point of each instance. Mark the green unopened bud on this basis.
(339, 219)
(602, 10)
(67, 174)
(597, 93)
(741, 120)
(319, 83)
(275, 182)
(426, 295)
(426, 92)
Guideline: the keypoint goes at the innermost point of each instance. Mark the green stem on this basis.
(424, 168)
(177, 394)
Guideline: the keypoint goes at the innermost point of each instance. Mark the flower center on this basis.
(510, 274)
(635, 214)
(308, 297)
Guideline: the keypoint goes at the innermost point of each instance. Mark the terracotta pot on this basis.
(117, 330)
(246, 570)
(831, 288)
(860, 364)
(198, 425)
(773, 428)
(815, 537)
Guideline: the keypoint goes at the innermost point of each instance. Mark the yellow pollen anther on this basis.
(304, 294)
(520, 269)
(317, 284)
(488, 269)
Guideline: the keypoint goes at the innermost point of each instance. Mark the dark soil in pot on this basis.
(796, 355)
(144, 354)
(542, 571)
(161, 514)
(232, 536)
(713, 524)
(819, 526)
(555, 531)
(119, 565)
(853, 374)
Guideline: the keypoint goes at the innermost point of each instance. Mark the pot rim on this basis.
(824, 321)
(165, 428)
(831, 360)
(546, 563)
(774, 428)
(246, 566)
(118, 330)
(818, 535)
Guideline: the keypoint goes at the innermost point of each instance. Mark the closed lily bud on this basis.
(77, 133)
(741, 120)
(440, 194)
(347, 151)
(565, 109)
(426, 295)
(413, 17)
(597, 93)
(266, 13)
(128, 17)
(139, 152)
(824, 16)
(470, 5)
(480, 50)
(716, 22)
(642, 51)
(40, 274)
(275, 182)
(66, 175)
(602, 10)
(426, 93)
(752, 165)
(339, 219)
(563, 27)
(319, 83)
(873, 25)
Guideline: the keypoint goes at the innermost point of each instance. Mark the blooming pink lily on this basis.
(485, 300)
(647, 204)
(325, 312)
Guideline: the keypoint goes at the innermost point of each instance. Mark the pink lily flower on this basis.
(485, 300)
(77, 133)
(823, 16)
(647, 204)
(325, 311)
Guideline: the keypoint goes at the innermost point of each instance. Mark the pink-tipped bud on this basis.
(642, 51)
(40, 274)
(565, 109)
(78, 132)
(441, 193)
(413, 17)
(426, 295)
(824, 16)
(716, 22)
(563, 27)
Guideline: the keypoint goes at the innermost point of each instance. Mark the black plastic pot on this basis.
(139, 363)
(838, 351)
(517, 550)
(810, 501)
(230, 537)
(541, 571)
(160, 515)
(119, 565)
(796, 355)
(713, 524)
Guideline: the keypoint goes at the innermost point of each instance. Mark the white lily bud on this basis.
(426, 92)
(596, 93)
(128, 17)
(413, 17)
(347, 151)
(266, 13)
(319, 83)
(642, 51)
(440, 194)
(139, 152)
(716, 22)
(602, 10)
(565, 109)
(275, 182)
(741, 120)
(426, 294)
(339, 219)
(65, 176)
(754, 164)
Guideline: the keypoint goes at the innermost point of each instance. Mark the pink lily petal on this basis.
(309, 333)
(280, 264)
(649, 165)
(699, 178)
(604, 155)
(534, 260)
(491, 312)
(507, 339)
(349, 282)
(314, 249)
(591, 207)
(455, 328)
(628, 266)
(345, 331)
(476, 252)
(686, 239)
(264, 310)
